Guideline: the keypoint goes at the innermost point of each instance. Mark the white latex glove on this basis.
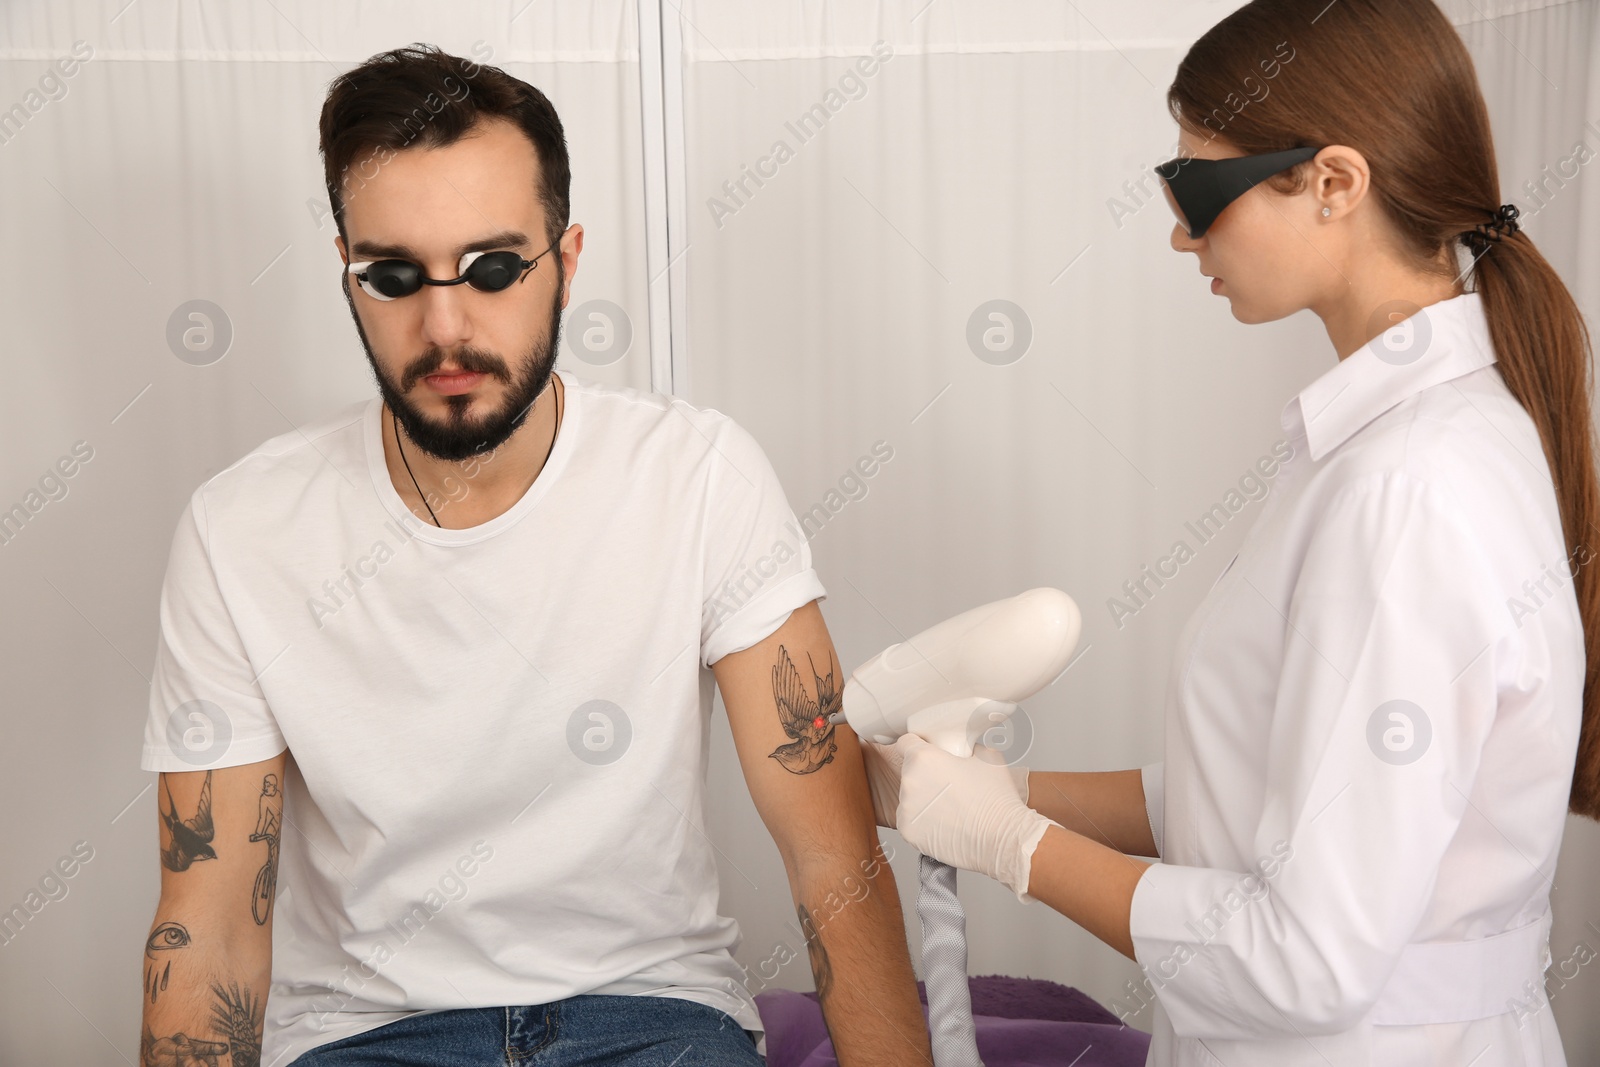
(883, 776)
(967, 812)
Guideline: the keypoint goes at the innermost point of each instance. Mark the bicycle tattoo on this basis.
(269, 820)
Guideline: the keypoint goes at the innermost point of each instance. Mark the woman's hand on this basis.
(970, 812)
(883, 776)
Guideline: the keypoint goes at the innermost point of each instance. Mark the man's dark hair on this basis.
(421, 97)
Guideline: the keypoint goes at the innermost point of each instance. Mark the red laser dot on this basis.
(819, 722)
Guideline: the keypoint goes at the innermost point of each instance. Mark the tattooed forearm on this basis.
(237, 1016)
(821, 969)
(803, 718)
(190, 838)
(207, 967)
(163, 941)
(269, 818)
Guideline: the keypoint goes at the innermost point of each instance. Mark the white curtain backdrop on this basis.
(833, 297)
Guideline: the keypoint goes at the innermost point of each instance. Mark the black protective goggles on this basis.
(1199, 189)
(489, 272)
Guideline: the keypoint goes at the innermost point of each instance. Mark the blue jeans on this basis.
(581, 1031)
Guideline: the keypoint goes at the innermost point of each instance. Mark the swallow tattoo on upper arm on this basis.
(191, 838)
(804, 719)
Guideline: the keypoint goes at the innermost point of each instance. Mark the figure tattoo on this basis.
(163, 940)
(191, 838)
(269, 817)
(804, 719)
(237, 1014)
(179, 1050)
(821, 969)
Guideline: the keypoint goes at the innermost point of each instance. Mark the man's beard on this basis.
(459, 439)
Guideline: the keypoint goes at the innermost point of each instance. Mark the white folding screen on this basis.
(837, 296)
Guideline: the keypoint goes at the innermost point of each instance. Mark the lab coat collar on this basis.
(1453, 336)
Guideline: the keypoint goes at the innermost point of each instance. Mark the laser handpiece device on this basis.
(954, 681)
(949, 685)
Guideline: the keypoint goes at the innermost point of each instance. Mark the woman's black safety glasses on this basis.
(1199, 189)
(489, 272)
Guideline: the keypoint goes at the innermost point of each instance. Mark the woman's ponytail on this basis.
(1543, 352)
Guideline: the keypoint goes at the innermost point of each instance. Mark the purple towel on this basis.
(1021, 1022)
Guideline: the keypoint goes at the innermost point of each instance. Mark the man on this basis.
(471, 627)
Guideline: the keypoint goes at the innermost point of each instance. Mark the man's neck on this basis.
(473, 491)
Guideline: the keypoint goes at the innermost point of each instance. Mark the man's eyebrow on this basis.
(378, 250)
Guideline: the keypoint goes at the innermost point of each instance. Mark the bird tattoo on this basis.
(191, 838)
(804, 719)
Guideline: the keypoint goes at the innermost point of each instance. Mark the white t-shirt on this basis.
(498, 735)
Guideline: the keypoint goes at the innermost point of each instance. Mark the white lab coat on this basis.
(1371, 728)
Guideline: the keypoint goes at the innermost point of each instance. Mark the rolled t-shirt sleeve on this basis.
(1385, 700)
(757, 565)
(206, 706)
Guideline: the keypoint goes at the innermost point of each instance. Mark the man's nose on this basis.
(446, 321)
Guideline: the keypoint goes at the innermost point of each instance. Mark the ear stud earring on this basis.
(1327, 211)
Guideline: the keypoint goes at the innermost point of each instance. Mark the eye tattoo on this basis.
(164, 938)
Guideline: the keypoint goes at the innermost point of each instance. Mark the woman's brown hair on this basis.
(1393, 80)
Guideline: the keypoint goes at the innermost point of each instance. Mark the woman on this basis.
(1380, 714)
